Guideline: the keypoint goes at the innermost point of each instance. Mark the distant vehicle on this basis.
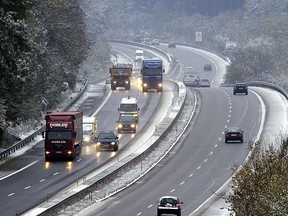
(63, 135)
(191, 79)
(234, 134)
(169, 205)
(204, 83)
(155, 42)
(171, 44)
(107, 140)
(89, 128)
(207, 67)
(147, 41)
(120, 76)
(129, 105)
(240, 88)
(189, 69)
(139, 56)
(126, 123)
(152, 75)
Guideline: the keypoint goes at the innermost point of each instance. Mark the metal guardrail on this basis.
(4, 154)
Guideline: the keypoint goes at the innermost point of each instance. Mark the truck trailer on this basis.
(63, 135)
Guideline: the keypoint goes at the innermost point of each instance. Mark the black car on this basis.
(126, 123)
(207, 67)
(240, 88)
(234, 134)
(171, 45)
(107, 140)
(169, 205)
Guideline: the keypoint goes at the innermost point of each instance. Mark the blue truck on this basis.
(152, 75)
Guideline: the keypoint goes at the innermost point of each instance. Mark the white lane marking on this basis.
(31, 164)
(198, 167)
(226, 126)
(55, 173)
(182, 183)
(79, 160)
(42, 180)
(211, 153)
(140, 213)
(150, 206)
(228, 121)
(11, 194)
(205, 160)
(190, 175)
(216, 146)
(27, 187)
(172, 190)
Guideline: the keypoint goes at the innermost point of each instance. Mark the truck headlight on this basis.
(145, 85)
(114, 82)
(112, 143)
(132, 125)
(126, 82)
(160, 84)
(120, 126)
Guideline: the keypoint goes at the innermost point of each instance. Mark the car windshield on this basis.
(106, 136)
(169, 200)
(126, 118)
(128, 107)
(234, 130)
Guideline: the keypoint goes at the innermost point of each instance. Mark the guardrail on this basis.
(4, 154)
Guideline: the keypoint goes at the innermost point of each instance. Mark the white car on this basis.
(204, 83)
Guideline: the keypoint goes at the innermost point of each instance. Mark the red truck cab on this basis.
(63, 135)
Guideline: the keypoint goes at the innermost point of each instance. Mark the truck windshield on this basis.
(128, 107)
(120, 71)
(59, 135)
(152, 71)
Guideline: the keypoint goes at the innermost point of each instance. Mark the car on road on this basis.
(207, 67)
(107, 140)
(169, 205)
(240, 88)
(155, 42)
(126, 123)
(234, 134)
(204, 83)
(191, 79)
(171, 44)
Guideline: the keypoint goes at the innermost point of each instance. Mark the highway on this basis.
(27, 180)
(199, 164)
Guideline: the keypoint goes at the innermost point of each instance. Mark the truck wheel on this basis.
(116, 148)
(47, 158)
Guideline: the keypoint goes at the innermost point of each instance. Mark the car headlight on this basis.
(120, 126)
(98, 143)
(114, 82)
(112, 143)
(133, 125)
(145, 84)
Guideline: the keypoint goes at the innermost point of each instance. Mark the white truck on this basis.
(129, 106)
(89, 128)
(139, 56)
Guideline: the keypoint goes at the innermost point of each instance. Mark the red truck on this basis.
(63, 135)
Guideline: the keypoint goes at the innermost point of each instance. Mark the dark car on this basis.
(169, 205)
(172, 44)
(234, 134)
(126, 123)
(240, 88)
(207, 67)
(107, 140)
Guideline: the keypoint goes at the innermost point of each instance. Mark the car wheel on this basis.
(158, 213)
(226, 141)
(179, 214)
(241, 140)
(246, 93)
(234, 93)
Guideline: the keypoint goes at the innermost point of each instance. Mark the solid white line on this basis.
(18, 170)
